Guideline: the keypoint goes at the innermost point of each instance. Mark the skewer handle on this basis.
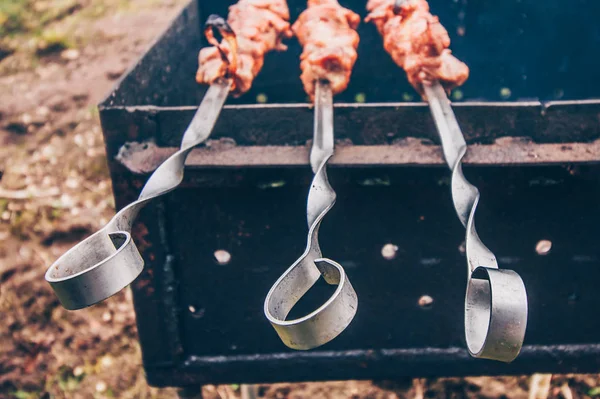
(496, 300)
(330, 319)
(108, 261)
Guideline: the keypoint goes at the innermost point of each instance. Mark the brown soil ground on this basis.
(55, 64)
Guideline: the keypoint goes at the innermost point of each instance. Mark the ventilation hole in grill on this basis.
(457, 95)
(543, 247)
(425, 302)
(261, 98)
(196, 311)
(505, 93)
(389, 251)
(223, 257)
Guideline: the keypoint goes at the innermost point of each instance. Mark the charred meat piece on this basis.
(327, 32)
(417, 42)
(259, 26)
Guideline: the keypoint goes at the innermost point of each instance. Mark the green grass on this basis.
(20, 394)
(52, 41)
(67, 382)
(32, 28)
(31, 16)
(13, 16)
(29, 27)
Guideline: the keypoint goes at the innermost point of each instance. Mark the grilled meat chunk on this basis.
(327, 33)
(259, 26)
(417, 42)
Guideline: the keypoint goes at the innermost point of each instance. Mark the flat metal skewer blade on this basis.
(207, 114)
(170, 173)
(453, 141)
(323, 142)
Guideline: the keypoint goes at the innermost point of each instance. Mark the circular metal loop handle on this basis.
(330, 319)
(495, 314)
(496, 299)
(323, 324)
(115, 262)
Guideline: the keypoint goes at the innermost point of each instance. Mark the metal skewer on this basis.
(108, 261)
(496, 300)
(330, 319)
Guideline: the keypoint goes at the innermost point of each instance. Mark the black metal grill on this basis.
(535, 163)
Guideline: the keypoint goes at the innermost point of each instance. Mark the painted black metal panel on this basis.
(408, 207)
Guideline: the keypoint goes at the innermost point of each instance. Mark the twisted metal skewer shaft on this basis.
(108, 261)
(496, 300)
(330, 319)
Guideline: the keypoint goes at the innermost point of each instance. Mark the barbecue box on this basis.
(215, 245)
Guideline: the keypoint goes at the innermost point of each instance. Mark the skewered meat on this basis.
(327, 33)
(259, 26)
(417, 42)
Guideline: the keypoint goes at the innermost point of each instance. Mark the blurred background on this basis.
(57, 59)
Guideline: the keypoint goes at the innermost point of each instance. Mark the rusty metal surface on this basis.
(364, 364)
(428, 262)
(509, 152)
